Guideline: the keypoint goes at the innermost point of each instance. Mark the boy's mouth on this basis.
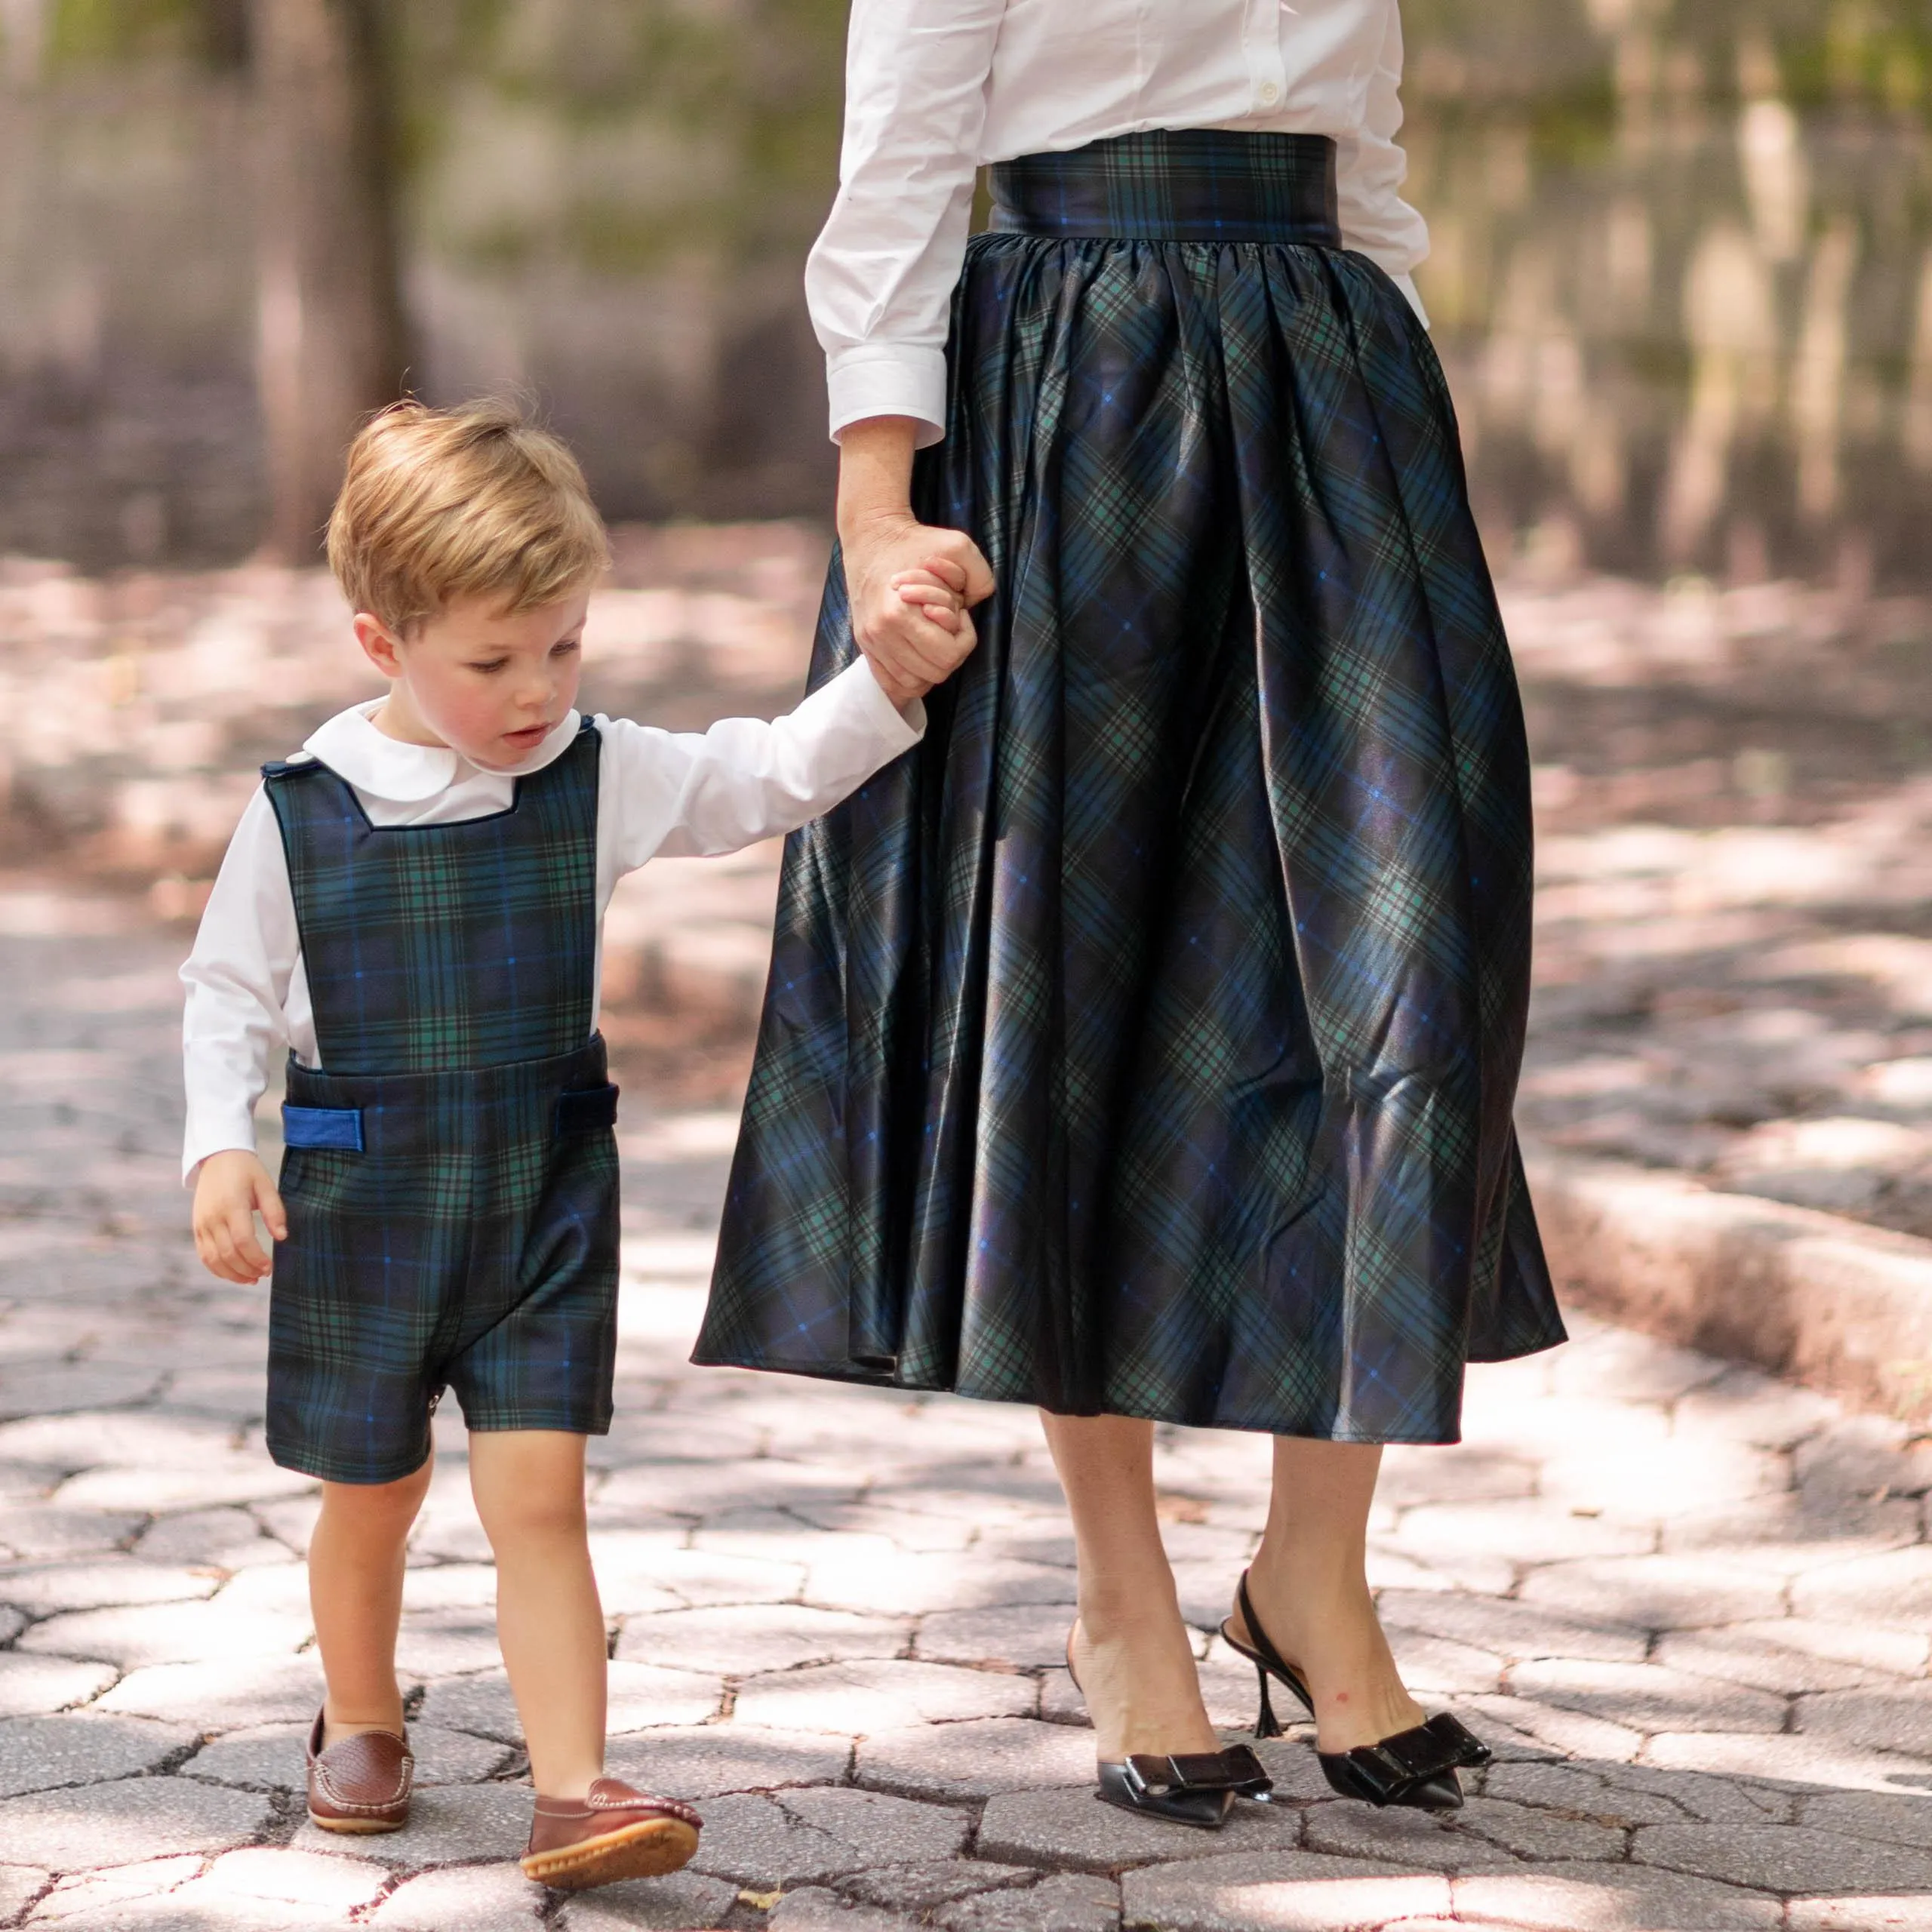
(531, 735)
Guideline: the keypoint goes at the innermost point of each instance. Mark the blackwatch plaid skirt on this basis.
(1145, 1042)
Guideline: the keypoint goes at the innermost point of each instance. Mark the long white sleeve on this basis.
(237, 978)
(672, 792)
(697, 793)
(1369, 169)
(934, 88)
(879, 281)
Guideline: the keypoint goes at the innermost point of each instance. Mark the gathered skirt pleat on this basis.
(1145, 1041)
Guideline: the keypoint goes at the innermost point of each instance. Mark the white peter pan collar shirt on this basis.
(934, 89)
(659, 793)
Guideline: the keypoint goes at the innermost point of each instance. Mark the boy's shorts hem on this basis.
(307, 1462)
(489, 1424)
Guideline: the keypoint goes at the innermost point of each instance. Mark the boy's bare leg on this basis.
(355, 1563)
(528, 1484)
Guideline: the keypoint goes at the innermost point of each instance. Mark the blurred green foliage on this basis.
(748, 94)
(208, 32)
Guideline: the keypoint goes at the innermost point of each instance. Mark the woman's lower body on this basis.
(1143, 1045)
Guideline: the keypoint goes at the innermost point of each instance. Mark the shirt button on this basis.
(1269, 94)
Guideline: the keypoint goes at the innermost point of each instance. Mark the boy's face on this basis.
(490, 684)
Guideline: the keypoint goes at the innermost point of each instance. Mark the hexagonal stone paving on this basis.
(792, 1838)
(976, 1759)
(837, 1616)
(1288, 1891)
(686, 1899)
(448, 1824)
(85, 1826)
(1588, 1897)
(33, 1686)
(706, 1761)
(1074, 1828)
(271, 1758)
(860, 1698)
(87, 1748)
(467, 1898)
(744, 1640)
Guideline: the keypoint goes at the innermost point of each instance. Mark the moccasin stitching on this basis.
(667, 1807)
(320, 1770)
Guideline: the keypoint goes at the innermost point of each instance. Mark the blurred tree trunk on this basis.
(330, 341)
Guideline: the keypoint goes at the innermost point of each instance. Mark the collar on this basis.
(384, 767)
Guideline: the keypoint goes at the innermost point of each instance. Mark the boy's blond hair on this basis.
(472, 502)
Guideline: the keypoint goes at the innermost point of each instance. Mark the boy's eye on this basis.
(566, 647)
(489, 664)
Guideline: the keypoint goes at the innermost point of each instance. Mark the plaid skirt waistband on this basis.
(1192, 184)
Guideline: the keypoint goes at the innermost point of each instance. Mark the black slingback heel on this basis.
(1196, 1788)
(1415, 1767)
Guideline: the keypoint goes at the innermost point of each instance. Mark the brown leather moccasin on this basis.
(615, 1833)
(360, 1783)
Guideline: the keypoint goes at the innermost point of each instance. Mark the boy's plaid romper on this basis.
(451, 1170)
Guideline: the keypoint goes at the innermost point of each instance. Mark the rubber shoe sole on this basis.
(646, 1849)
(359, 1826)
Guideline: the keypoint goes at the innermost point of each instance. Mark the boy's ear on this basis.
(379, 643)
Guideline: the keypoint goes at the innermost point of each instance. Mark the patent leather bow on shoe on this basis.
(1196, 1788)
(1415, 1768)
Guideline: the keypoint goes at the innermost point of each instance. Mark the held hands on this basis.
(228, 1189)
(910, 586)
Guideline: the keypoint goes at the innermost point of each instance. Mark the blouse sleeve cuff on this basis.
(888, 380)
(218, 1134)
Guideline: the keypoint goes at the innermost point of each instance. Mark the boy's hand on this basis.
(228, 1189)
(936, 590)
(911, 644)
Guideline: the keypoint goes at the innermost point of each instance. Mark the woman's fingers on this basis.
(954, 551)
(949, 572)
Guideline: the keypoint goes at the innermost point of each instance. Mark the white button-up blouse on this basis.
(935, 88)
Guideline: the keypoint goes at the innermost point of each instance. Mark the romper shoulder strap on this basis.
(291, 767)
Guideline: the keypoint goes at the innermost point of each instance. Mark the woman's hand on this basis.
(228, 1190)
(911, 639)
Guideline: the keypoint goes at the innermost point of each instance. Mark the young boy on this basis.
(413, 905)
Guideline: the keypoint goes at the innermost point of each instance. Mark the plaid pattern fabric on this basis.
(1145, 1042)
(429, 947)
(470, 1245)
(472, 1241)
(1176, 185)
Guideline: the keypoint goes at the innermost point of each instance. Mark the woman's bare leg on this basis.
(1133, 1653)
(1310, 1590)
(355, 1562)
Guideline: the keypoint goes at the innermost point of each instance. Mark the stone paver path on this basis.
(1687, 1605)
